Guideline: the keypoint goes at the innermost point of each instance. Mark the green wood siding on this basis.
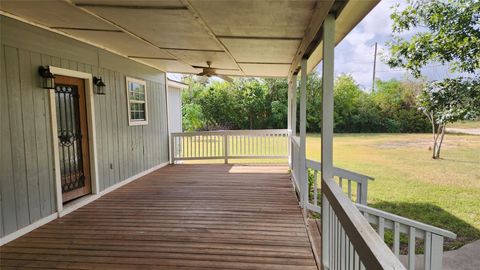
(27, 183)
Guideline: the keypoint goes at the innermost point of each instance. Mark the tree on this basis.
(449, 101)
(446, 32)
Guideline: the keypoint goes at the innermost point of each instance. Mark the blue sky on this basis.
(354, 55)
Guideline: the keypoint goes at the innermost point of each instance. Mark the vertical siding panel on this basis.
(7, 190)
(158, 130)
(114, 138)
(47, 60)
(64, 63)
(164, 128)
(146, 130)
(121, 145)
(73, 65)
(29, 135)
(56, 61)
(16, 133)
(81, 67)
(104, 140)
(98, 99)
(160, 137)
(123, 123)
(157, 125)
(108, 115)
(130, 139)
(156, 122)
(40, 97)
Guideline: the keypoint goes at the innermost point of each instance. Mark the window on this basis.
(137, 102)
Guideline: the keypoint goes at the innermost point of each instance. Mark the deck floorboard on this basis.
(178, 217)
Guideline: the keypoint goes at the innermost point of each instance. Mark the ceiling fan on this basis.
(209, 72)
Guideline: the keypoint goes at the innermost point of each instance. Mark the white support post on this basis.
(225, 146)
(289, 123)
(327, 124)
(303, 135)
(294, 105)
(172, 149)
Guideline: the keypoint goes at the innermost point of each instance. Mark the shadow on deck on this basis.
(178, 217)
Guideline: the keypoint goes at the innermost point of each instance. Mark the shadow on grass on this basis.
(432, 215)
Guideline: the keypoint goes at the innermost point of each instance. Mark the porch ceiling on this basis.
(241, 37)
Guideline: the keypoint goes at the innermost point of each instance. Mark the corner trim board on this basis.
(82, 202)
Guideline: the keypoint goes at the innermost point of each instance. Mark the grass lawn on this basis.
(444, 193)
(465, 124)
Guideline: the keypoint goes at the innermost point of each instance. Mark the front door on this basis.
(72, 130)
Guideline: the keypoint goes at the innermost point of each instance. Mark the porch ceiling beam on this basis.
(86, 29)
(209, 31)
(147, 57)
(312, 33)
(263, 63)
(131, 6)
(70, 2)
(259, 38)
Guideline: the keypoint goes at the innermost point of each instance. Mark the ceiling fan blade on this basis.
(224, 77)
(199, 67)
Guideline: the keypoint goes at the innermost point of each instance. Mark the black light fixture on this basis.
(99, 86)
(48, 78)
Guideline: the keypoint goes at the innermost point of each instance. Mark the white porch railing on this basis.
(354, 185)
(432, 236)
(230, 144)
(350, 241)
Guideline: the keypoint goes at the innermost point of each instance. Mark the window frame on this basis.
(133, 122)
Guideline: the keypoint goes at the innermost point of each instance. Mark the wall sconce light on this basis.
(48, 78)
(99, 86)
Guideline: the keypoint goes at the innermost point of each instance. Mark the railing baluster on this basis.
(315, 191)
(381, 228)
(396, 238)
(411, 248)
(427, 251)
(358, 191)
(349, 189)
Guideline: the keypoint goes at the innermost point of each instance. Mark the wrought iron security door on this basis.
(72, 144)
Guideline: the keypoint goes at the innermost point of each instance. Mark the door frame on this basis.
(89, 98)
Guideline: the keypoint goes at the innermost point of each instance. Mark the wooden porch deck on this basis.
(178, 217)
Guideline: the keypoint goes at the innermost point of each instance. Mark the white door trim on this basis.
(89, 95)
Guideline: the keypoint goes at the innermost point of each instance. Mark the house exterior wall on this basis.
(175, 109)
(27, 177)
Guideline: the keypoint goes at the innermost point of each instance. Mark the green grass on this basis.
(444, 193)
(465, 124)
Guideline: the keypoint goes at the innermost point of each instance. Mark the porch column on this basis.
(292, 114)
(303, 132)
(327, 123)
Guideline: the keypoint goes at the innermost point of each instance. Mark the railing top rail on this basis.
(339, 172)
(373, 252)
(233, 132)
(407, 221)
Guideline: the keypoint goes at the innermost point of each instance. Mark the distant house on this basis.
(175, 105)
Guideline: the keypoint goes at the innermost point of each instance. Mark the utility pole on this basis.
(374, 67)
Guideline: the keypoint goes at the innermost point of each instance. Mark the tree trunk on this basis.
(437, 154)
(435, 137)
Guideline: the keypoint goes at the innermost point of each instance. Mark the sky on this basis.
(354, 55)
